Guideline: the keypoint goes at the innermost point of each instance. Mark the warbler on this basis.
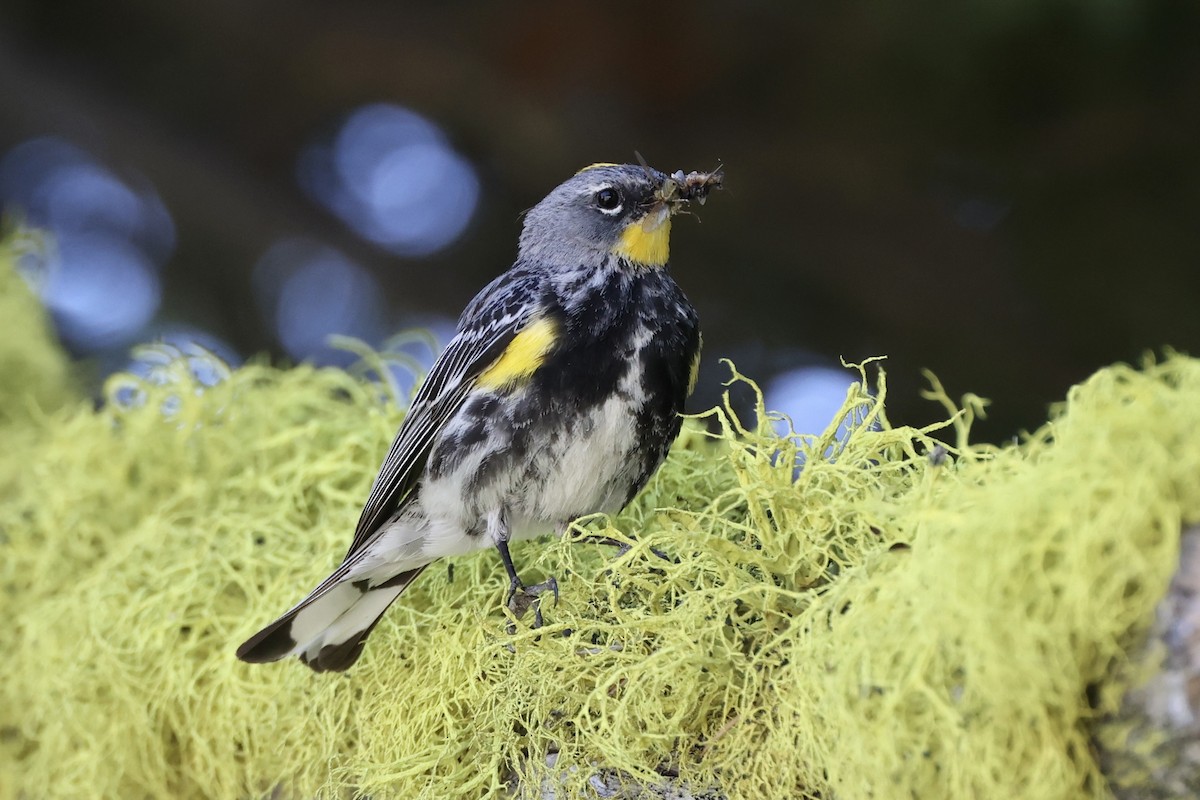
(558, 396)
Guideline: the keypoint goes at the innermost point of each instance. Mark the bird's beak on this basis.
(647, 241)
(667, 200)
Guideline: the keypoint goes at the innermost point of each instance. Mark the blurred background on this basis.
(1005, 193)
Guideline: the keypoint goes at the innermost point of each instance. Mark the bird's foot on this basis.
(521, 598)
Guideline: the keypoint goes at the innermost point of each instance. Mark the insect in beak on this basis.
(697, 185)
(679, 189)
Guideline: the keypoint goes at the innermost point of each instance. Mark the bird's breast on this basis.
(583, 432)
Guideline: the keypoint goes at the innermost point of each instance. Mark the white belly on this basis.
(587, 471)
(590, 472)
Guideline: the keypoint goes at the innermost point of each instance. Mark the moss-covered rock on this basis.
(878, 623)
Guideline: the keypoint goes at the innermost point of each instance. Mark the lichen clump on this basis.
(35, 374)
(878, 622)
(34, 371)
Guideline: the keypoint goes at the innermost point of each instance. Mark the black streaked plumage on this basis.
(558, 396)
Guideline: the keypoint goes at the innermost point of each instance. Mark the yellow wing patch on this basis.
(647, 242)
(524, 354)
(695, 372)
(597, 165)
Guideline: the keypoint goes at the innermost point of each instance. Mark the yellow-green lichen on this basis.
(877, 624)
(35, 374)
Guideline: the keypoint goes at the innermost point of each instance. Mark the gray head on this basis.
(606, 210)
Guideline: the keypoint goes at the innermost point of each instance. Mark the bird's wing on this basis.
(493, 325)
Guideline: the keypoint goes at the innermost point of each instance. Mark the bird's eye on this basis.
(608, 199)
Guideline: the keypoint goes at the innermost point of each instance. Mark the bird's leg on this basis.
(520, 597)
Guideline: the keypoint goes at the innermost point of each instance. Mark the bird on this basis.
(558, 396)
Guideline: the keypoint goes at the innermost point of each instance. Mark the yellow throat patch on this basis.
(524, 354)
(648, 242)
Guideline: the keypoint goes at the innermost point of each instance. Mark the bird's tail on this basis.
(328, 628)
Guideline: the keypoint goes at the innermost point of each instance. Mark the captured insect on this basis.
(697, 185)
(681, 188)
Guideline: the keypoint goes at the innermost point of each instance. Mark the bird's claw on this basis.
(663, 555)
(521, 598)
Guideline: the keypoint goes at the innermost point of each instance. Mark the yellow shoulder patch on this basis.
(597, 165)
(524, 354)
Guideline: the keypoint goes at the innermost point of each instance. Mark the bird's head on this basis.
(621, 210)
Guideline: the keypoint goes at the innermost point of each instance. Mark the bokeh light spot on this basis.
(312, 292)
(392, 176)
(209, 358)
(101, 290)
(107, 240)
(810, 397)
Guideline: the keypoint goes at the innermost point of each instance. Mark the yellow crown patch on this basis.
(597, 165)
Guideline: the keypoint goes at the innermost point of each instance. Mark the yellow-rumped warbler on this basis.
(558, 396)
